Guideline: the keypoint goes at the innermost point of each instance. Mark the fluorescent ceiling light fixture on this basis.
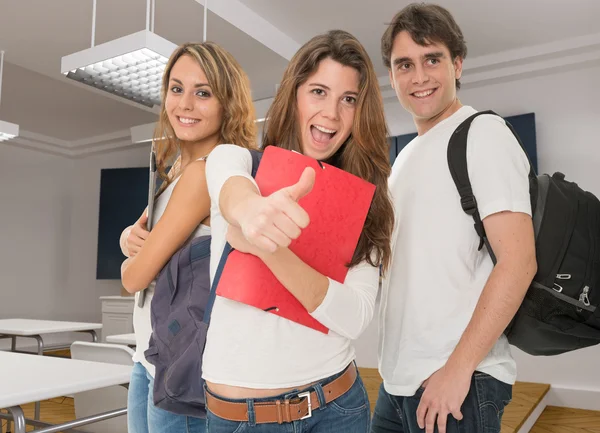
(131, 67)
(8, 130)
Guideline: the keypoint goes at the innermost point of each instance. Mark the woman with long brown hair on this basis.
(205, 102)
(260, 369)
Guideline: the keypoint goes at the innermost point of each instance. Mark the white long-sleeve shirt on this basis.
(252, 348)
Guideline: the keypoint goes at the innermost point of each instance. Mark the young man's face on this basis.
(424, 78)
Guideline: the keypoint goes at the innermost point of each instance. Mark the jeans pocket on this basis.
(492, 396)
(354, 401)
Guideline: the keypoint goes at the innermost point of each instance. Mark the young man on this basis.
(443, 357)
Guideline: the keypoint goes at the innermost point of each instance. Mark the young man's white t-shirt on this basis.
(437, 272)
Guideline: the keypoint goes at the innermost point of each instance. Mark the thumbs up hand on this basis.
(274, 221)
(302, 187)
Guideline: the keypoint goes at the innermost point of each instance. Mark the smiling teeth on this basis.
(325, 130)
(188, 121)
(423, 94)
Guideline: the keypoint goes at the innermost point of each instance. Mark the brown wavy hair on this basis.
(229, 83)
(426, 23)
(365, 153)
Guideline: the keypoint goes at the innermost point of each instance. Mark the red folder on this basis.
(337, 205)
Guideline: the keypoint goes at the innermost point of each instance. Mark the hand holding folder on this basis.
(337, 206)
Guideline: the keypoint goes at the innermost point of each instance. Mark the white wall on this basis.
(35, 213)
(85, 289)
(567, 111)
(48, 236)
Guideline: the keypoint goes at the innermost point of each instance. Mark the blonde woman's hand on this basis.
(137, 235)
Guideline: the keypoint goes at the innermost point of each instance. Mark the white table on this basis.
(28, 378)
(31, 328)
(128, 339)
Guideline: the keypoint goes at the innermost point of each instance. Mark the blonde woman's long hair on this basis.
(229, 83)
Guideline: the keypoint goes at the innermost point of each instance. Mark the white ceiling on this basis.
(261, 34)
(489, 26)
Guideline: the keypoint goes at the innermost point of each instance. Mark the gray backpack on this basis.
(180, 314)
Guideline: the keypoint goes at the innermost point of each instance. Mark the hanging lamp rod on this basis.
(1, 70)
(150, 15)
(205, 19)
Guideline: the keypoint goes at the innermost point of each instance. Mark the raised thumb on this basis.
(304, 184)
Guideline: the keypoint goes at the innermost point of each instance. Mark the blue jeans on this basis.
(144, 417)
(349, 413)
(482, 409)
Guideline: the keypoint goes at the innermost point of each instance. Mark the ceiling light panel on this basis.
(131, 67)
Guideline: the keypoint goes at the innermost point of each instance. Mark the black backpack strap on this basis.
(256, 157)
(457, 163)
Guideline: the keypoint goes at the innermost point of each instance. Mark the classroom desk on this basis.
(28, 378)
(31, 328)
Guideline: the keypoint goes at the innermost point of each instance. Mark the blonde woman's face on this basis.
(193, 110)
(326, 106)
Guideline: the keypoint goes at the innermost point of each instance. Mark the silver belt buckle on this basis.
(307, 395)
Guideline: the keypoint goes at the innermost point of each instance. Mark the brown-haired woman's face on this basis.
(326, 106)
(193, 110)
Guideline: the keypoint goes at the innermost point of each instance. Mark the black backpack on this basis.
(561, 310)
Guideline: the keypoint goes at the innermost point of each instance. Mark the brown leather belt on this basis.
(296, 408)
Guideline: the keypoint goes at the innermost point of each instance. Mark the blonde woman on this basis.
(205, 102)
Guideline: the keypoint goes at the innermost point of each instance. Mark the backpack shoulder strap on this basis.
(256, 157)
(457, 163)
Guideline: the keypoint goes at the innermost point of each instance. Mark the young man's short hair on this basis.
(425, 23)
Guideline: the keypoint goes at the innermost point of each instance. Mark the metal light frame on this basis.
(130, 67)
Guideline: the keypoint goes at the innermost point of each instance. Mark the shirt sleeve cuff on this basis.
(503, 206)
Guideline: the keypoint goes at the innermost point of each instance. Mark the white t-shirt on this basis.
(437, 273)
(251, 348)
(142, 324)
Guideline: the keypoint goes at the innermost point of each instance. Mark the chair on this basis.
(101, 400)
